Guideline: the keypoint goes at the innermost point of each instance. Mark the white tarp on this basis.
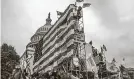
(91, 66)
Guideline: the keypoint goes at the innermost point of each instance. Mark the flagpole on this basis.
(79, 62)
(80, 21)
(86, 61)
(84, 44)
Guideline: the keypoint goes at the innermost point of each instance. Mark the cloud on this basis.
(108, 22)
(114, 28)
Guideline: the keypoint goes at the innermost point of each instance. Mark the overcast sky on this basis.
(108, 22)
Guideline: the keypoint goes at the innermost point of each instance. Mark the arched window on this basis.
(34, 38)
(38, 30)
(41, 29)
(38, 38)
(31, 38)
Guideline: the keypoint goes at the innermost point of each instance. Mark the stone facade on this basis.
(28, 57)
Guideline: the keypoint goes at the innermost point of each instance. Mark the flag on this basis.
(55, 64)
(123, 62)
(101, 50)
(113, 61)
(38, 50)
(122, 68)
(59, 13)
(123, 59)
(79, 8)
(79, 0)
(40, 44)
(90, 42)
(86, 5)
(104, 47)
(79, 12)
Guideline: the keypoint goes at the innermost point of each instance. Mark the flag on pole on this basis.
(79, 0)
(59, 13)
(123, 62)
(86, 5)
(113, 61)
(104, 47)
(101, 50)
(123, 59)
(90, 42)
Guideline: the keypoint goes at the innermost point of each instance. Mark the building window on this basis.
(41, 29)
(38, 37)
(34, 38)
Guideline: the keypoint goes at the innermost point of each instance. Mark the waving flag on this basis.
(101, 50)
(91, 42)
(59, 13)
(79, 0)
(86, 5)
(104, 47)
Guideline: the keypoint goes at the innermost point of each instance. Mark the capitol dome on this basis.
(46, 27)
(41, 31)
